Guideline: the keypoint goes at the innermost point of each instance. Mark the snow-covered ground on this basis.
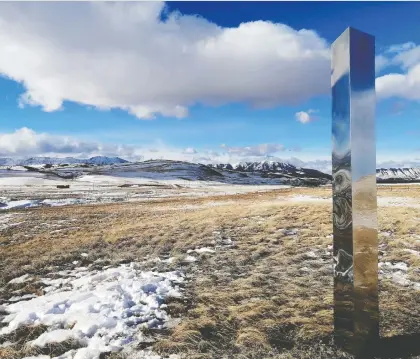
(34, 190)
(101, 310)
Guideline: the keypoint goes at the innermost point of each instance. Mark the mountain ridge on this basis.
(274, 167)
(265, 169)
(398, 175)
(32, 161)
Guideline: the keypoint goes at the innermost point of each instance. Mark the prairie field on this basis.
(256, 273)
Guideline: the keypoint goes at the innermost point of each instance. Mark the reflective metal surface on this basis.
(354, 190)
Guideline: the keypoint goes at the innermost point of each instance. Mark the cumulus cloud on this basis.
(27, 142)
(189, 151)
(397, 48)
(123, 55)
(257, 150)
(409, 58)
(305, 116)
(402, 85)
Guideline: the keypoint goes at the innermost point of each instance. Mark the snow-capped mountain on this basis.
(394, 175)
(274, 167)
(265, 172)
(170, 170)
(34, 161)
(383, 175)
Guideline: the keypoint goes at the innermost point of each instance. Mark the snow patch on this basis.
(21, 279)
(201, 250)
(190, 259)
(222, 241)
(305, 198)
(311, 255)
(102, 310)
(396, 272)
(21, 204)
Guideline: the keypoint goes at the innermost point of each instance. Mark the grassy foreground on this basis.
(267, 295)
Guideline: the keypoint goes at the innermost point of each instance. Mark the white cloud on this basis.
(363, 136)
(340, 58)
(400, 47)
(305, 116)
(189, 151)
(27, 142)
(120, 55)
(400, 85)
(403, 85)
(409, 58)
(256, 150)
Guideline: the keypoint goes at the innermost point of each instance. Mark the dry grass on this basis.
(269, 296)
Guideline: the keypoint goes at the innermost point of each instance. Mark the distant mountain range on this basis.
(383, 175)
(274, 168)
(397, 175)
(35, 161)
(256, 173)
(245, 172)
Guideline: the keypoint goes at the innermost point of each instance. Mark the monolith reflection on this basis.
(354, 191)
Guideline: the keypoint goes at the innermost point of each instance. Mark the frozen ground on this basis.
(32, 190)
(99, 310)
(231, 250)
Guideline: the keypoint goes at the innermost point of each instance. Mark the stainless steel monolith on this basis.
(356, 321)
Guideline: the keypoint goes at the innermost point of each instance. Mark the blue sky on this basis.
(235, 83)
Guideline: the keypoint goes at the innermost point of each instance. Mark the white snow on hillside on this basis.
(32, 189)
(398, 173)
(101, 310)
(22, 204)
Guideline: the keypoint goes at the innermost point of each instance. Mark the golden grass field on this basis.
(268, 296)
